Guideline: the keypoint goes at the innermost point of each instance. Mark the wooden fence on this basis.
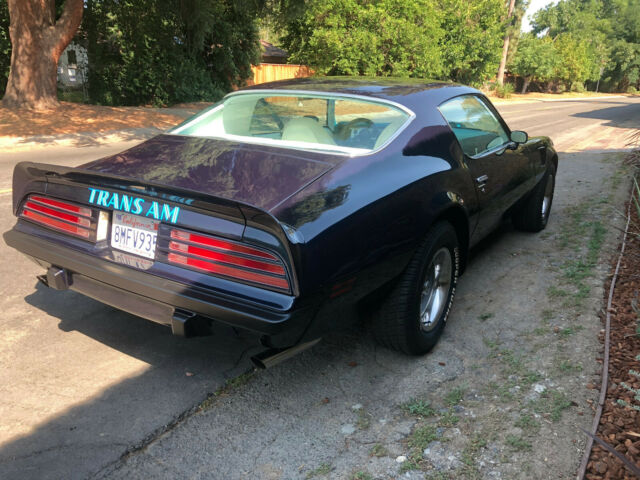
(270, 72)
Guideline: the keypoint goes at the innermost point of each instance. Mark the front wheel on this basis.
(534, 214)
(413, 317)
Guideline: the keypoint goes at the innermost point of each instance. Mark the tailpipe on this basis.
(271, 357)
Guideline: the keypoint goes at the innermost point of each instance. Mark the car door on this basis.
(501, 174)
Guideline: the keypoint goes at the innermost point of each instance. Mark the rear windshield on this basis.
(309, 121)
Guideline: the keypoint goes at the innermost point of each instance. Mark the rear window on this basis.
(348, 125)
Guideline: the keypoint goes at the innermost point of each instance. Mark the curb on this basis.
(502, 101)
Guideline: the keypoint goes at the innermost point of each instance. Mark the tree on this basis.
(578, 62)
(505, 46)
(38, 38)
(168, 51)
(472, 39)
(606, 33)
(5, 45)
(536, 60)
(447, 39)
(356, 37)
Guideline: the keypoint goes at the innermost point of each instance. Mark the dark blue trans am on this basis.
(286, 207)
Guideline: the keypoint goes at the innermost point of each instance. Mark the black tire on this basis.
(398, 323)
(534, 214)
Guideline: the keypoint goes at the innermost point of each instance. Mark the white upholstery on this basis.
(306, 130)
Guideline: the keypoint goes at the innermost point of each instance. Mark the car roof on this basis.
(405, 91)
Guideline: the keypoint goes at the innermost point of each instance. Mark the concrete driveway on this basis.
(83, 384)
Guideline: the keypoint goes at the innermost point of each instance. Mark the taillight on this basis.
(228, 259)
(61, 215)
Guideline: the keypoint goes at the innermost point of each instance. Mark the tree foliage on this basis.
(161, 52)
(536, 60)
(453, 39)
(473, 38)
(353, 37)
(592, 35)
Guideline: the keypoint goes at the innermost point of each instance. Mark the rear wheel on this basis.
(414, 314)
(534, 214)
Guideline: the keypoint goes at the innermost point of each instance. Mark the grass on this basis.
(364, 419)
(418, 407)
(418, 441)
(361, 476)
(501, 390)
(421, 437)
(454, 397)
(566, 332)
(540, 330)
(517, 443)
(448, 419)
(409, 465)
(583, 239)
(471, 450)
(528, 423)
(551, 404)
(378, 450)
(485, 316)
(565, 366)
(323, 469)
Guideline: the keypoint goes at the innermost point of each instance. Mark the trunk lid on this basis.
(261, 176)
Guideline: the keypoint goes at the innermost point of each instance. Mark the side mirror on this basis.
(519, 136)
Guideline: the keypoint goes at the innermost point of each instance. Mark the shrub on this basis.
(632, 89)
(578, 87)
(504, 91)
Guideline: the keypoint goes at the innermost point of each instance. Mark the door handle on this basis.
(481, 181)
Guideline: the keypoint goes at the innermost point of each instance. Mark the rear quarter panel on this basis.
(360, 223)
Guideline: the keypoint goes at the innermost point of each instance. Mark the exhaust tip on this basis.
(258, 363)
(269, 358)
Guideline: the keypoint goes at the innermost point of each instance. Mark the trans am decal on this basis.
(134, 205)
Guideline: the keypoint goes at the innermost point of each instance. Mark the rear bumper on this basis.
(155, 298)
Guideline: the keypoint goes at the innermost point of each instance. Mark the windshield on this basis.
(300, 120)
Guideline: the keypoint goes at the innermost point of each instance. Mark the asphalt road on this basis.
(82, 383)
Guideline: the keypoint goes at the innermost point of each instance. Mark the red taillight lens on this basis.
(59, 215)
(228, 259)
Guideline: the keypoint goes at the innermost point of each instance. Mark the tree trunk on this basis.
(37, 41)
(525, 84)
(505, 46)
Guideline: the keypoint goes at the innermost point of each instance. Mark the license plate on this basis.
(134, 234)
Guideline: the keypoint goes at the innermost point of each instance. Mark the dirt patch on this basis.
(620, 421)
(72, 118)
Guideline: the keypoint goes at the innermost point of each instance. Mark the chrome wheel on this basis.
(435, 289)
(546, 200)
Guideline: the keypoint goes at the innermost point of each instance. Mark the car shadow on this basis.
(174, 376)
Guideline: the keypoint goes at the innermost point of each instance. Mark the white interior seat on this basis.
(306, 130)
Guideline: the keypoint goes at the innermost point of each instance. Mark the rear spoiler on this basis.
(30, 177)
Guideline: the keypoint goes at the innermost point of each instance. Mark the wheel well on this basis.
(458, 218)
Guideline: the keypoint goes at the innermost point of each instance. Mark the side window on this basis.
(474, 125)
